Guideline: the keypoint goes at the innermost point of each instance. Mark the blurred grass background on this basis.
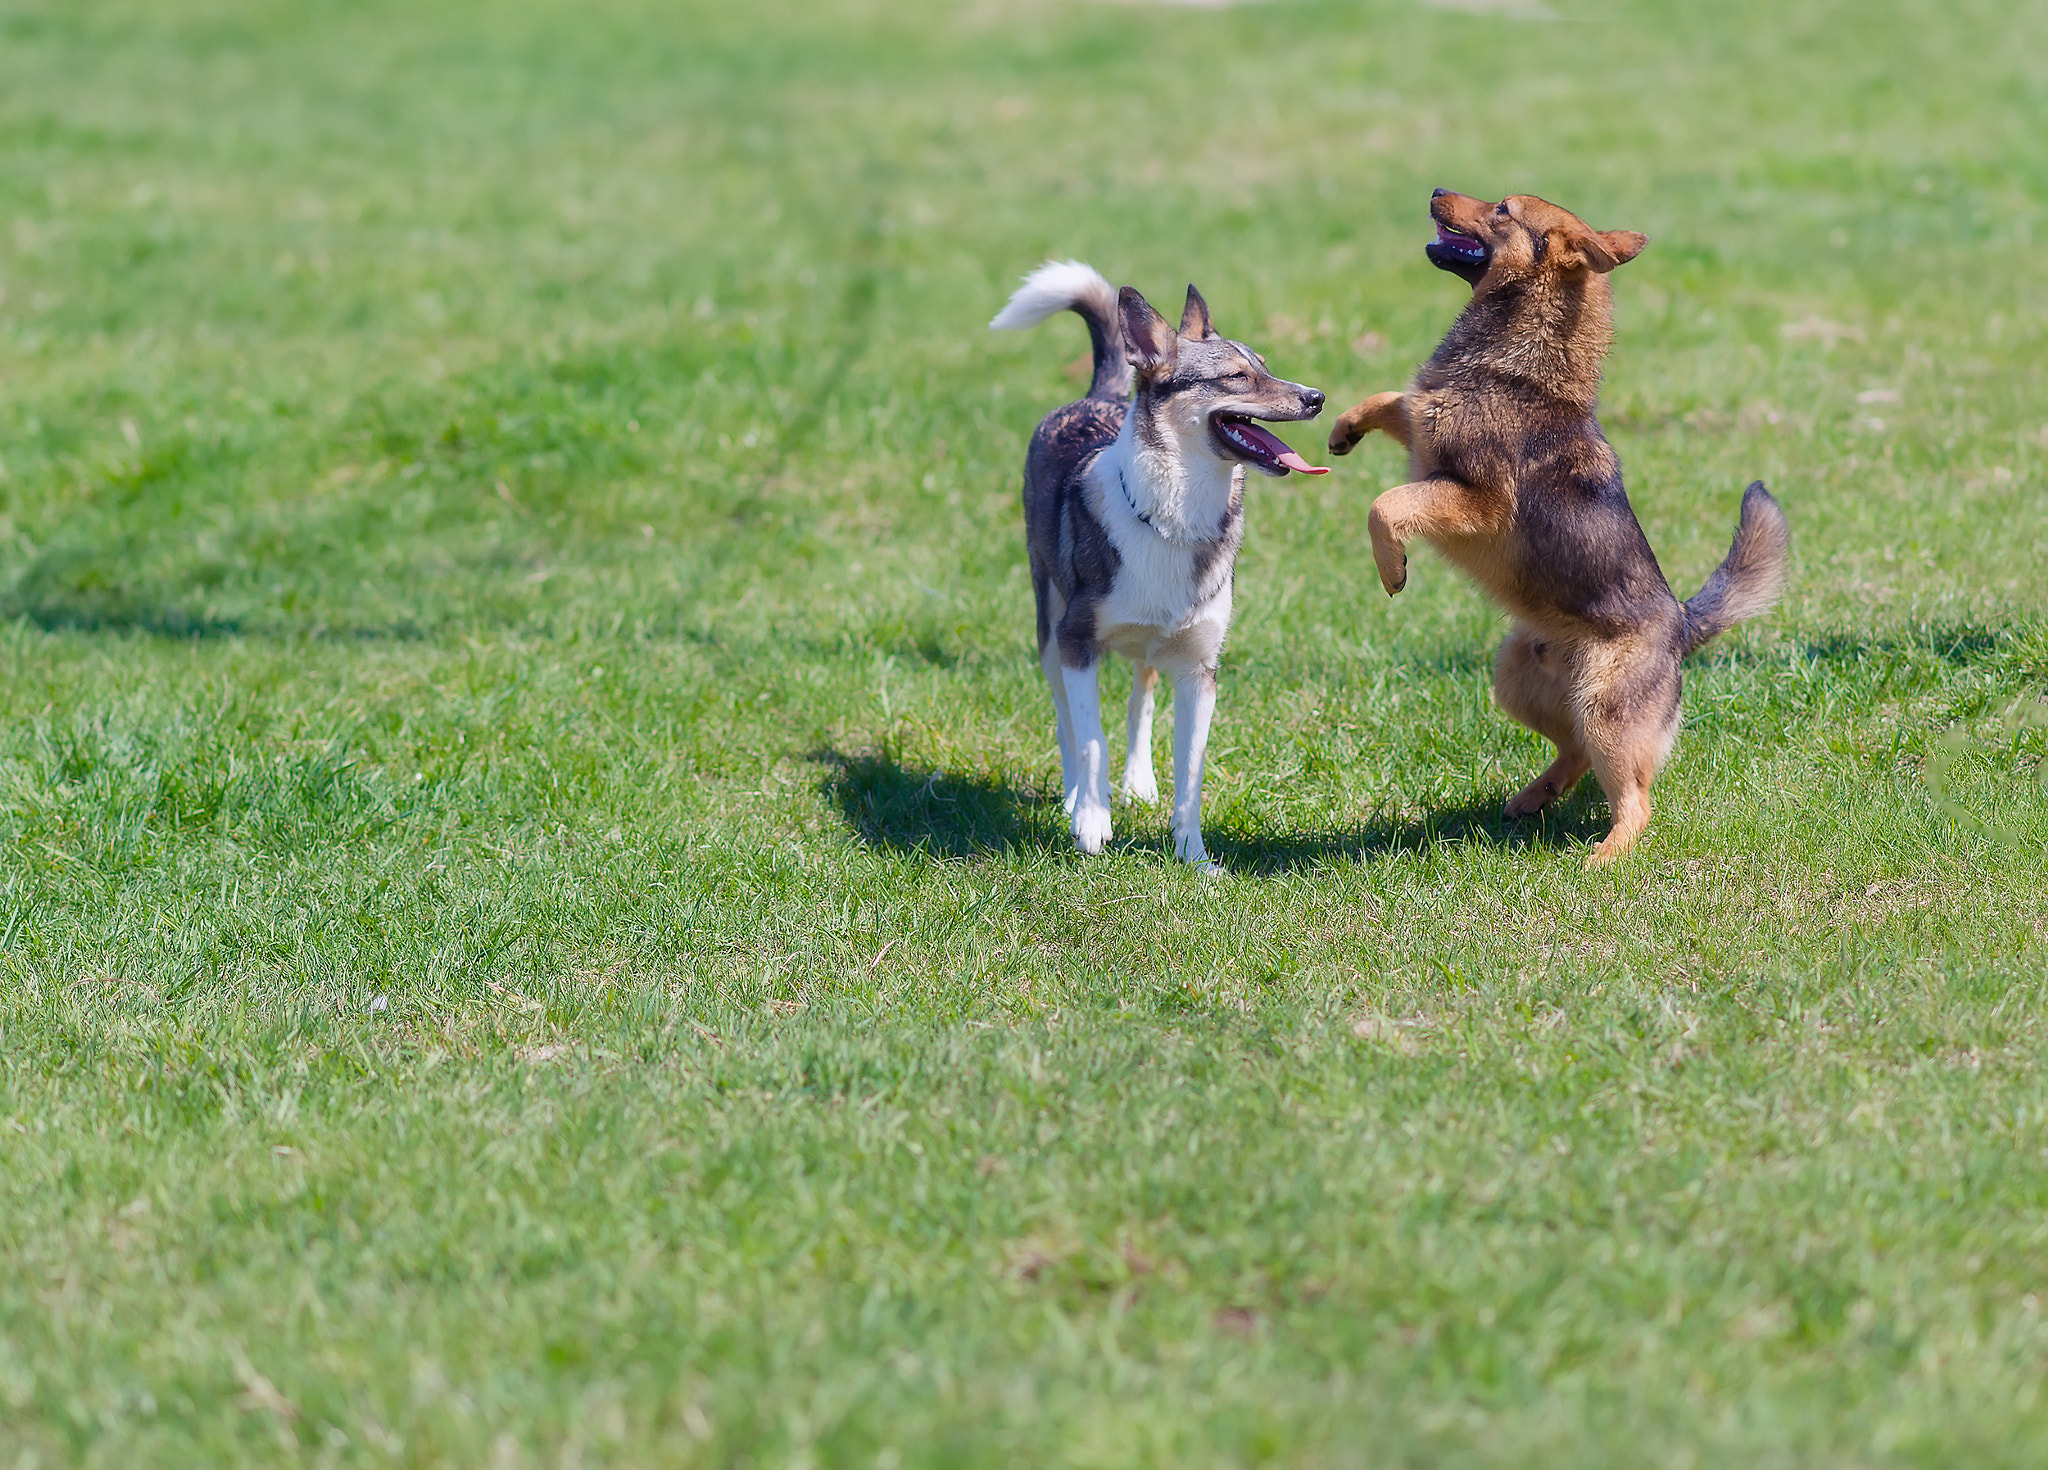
(535, 922)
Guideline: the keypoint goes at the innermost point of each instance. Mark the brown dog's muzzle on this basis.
(1458, 247)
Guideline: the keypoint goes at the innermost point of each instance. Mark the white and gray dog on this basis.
(1134, 511)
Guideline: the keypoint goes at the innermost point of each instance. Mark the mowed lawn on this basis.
(535, 923)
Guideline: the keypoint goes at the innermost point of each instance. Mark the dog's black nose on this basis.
(1438, 193)
(1313, 397)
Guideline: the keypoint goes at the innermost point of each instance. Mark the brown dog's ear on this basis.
(1603, 250)
(1147, 337)
(1195, 325)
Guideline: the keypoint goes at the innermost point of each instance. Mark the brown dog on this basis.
(1511, 479)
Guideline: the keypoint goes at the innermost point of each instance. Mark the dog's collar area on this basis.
(1194, 538)
(1133, 504)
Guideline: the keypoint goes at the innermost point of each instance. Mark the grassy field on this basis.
(535, 924)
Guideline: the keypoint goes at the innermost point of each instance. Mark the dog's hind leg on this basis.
(1139, 782)
(1628, 717)
(1194, 703)
(1091, 757)
(1626, 769)
(1532, 683)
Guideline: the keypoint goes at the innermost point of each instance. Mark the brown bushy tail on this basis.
(1068, 285)
(1749, 580)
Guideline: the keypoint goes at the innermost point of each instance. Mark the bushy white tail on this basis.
(1068, 285)
(1058, 285)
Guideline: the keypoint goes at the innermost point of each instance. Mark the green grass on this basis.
(535, 926)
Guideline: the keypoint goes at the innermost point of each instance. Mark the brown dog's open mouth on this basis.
(1259, 447)
(1459, 246)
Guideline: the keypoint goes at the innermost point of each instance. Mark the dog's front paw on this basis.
(1141, 786)
(1389, 555)
(1393, 569)
(1091, 827)
(1345, 436)
(1187, 846)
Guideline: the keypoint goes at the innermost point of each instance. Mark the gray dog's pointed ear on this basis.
(1147, 337)
(1195, 325)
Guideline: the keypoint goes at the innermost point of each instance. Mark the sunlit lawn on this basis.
(535, 923)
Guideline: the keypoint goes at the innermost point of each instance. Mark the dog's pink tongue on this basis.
(1267, 446)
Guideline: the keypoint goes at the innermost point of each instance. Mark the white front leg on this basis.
(1139, 782)
(1194, 701)
(1063, 722)
(1091, 759)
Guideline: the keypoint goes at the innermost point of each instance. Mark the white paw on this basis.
(1187, 846)
(1141, 786)
(1091, 827)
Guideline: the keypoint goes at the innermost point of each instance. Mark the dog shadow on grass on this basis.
(901, 810)
(907, 811)
(1952, 643)
(74, 613)
(1579, 819)
(61, 612)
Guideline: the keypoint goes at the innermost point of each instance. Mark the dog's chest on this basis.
(1435, 429)
(1166, 584)
(1467, 436)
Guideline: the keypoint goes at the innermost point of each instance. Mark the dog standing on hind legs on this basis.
(1512, 481)
(1133, 514)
